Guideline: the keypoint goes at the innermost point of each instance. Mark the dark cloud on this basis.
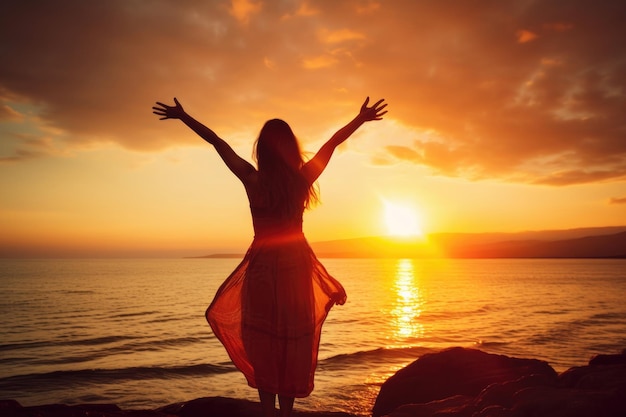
(530, 91)
(549, 109)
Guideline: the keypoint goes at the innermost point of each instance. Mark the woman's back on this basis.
(270, 220)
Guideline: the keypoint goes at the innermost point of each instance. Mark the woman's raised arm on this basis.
(239, 166)
(316, 165)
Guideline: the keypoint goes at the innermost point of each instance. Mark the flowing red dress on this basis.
(269, 312)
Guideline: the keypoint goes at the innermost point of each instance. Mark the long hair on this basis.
(279, 160)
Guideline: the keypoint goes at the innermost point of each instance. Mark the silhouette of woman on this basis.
(269, 312)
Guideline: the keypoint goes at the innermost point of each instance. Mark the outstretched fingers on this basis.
(379, 113)
(160, 107)
(378, 103)
(160, 111)
(376, 111)
(166, 111)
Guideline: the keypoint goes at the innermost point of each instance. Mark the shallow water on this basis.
(133, 332)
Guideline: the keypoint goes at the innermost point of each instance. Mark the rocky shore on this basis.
(455, 382)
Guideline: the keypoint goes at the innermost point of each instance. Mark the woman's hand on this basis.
(372, 113)
(169, 112)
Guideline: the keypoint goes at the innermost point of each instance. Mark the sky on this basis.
(504, 116)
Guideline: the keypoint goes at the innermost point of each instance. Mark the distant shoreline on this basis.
(339, 256)
(585, 243)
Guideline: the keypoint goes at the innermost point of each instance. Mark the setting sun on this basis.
(401, 220)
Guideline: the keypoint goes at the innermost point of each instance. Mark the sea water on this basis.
(133, 332)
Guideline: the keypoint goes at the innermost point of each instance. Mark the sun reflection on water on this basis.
(408, 304)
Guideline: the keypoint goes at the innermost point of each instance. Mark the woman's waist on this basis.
(283, 236)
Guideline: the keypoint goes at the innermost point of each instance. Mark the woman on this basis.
(269, 312)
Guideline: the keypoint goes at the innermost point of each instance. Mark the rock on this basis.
(201, 407)
(502, 394)
(599, 377)
(214, 406)
(221, 406)
(455, 371)
(11, 408)
(458, 405)
(497, 411)
(609, 359)
(595, 390)
(566, 402)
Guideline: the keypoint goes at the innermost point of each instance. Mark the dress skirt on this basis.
(269, 312)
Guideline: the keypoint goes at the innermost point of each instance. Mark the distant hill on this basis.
(599, 246)
(597, 242)
(607, 242)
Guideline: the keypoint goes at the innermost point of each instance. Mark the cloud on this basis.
(581, 177)
(514, 110)
(317, 62)
(405, 153)
(243, 10)
(9, 114)
(339, 36)
(617, 200)
(28, 147)
(21, 155)
(524, 36)
(528, 91)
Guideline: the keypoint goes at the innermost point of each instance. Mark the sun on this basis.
(402, 220)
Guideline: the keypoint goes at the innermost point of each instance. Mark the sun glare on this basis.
(401, 220)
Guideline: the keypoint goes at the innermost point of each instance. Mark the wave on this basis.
(369, 358)
(593, 326)
(450, 315)
(608, 316)
(136, 314)
(68, 379)
(52, 343)
(67, 292)
(130, 342)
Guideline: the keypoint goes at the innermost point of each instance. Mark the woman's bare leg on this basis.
(286, 405)
(268, 403)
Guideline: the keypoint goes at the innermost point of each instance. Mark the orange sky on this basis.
(503, 116)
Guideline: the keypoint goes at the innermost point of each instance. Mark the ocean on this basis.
(132, 331)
